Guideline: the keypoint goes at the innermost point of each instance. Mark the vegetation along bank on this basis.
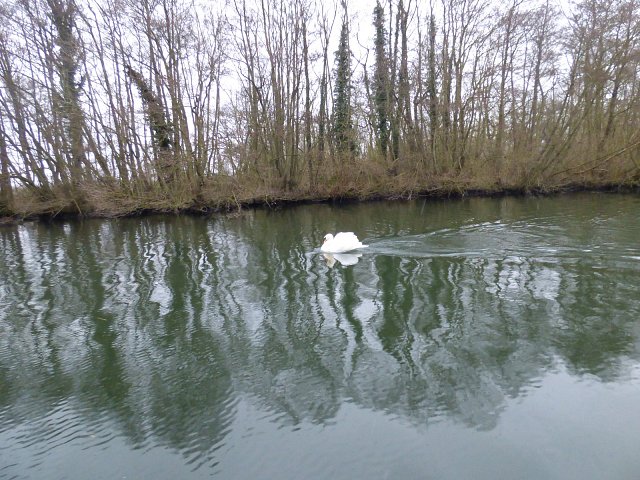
(114, 107)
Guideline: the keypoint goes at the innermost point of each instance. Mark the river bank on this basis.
(229, 196)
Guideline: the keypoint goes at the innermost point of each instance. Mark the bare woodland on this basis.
(113, 107)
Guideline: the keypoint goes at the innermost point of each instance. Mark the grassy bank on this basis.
(226, 193)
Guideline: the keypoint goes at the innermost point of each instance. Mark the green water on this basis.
(473, 339)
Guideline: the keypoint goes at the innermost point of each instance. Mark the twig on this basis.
(596, 162)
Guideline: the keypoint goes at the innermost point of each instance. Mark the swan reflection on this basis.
(342, 258)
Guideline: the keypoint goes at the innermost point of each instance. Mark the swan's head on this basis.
(327, 238)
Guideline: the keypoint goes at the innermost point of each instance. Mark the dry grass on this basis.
(353, 179)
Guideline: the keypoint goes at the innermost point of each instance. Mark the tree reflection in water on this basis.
(153, 329)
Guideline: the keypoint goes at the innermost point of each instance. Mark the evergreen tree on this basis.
(343, 133)
(381, 80)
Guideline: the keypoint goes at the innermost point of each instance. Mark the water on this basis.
(476, 338)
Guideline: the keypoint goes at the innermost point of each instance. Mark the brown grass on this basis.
(353, 180)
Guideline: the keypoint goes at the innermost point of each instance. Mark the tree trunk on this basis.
(6, 192)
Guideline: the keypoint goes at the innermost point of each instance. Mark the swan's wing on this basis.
(345, 237)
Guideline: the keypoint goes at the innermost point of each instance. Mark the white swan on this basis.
(342, 242)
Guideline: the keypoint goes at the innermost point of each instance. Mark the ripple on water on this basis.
(144, 355)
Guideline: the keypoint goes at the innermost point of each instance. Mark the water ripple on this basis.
(193, 347)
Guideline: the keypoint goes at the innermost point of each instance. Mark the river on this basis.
(476, 338)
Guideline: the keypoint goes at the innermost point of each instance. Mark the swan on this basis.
(342, 242)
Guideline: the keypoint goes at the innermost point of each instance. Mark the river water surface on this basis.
(473, 339)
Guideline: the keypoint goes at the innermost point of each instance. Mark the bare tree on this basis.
(6, 190)
(127, 97)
